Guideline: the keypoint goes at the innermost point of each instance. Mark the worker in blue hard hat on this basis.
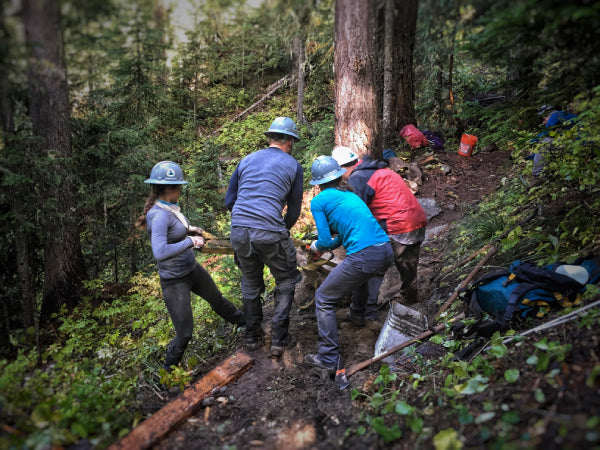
(342, 218)
(261, 186)
(173, 240)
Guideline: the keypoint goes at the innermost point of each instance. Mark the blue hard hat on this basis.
(544, 109)
(324, 170)
(283, 125)
(166, 172)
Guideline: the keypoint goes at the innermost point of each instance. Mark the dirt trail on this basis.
(283, 403)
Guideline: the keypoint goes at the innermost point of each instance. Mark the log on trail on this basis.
(157, 426)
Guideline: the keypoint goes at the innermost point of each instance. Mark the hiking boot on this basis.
(254, 342)
(315, 360)
(277, 349)
(355, 319)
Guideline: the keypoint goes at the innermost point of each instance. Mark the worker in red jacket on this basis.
(399, 213)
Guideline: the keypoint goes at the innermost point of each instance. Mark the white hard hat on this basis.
(344, 155)
(578, 273)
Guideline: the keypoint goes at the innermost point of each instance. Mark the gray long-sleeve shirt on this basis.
(261, 185)
(171, 246)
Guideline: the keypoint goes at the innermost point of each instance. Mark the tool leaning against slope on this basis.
(172, 247)
(398, 212)
(368, 253)
(262, 184)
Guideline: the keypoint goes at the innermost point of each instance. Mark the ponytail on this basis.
(150, 201)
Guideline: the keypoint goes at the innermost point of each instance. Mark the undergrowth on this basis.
(553, 218)
(103, 355)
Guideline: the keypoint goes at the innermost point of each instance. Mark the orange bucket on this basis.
(467, 144)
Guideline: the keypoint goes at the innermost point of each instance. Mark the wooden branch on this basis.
(491, 252)
(488, 246)
(399, 347)
(271, 90)
(157, 426)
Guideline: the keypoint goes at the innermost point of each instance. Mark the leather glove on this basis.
(198, 241)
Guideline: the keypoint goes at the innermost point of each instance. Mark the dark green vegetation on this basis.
(482, 67)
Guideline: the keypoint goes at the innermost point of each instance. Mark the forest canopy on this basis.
(94, 93)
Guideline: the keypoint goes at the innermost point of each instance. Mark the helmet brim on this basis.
(268, 133)
(328, 177)
(153, 181)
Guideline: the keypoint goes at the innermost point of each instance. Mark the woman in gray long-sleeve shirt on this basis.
(173, 241)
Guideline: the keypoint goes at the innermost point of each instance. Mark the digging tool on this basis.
(399, 347)
(491, 252)
(341, 380)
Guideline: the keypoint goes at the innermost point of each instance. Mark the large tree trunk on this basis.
(18, 208)
(373, 101)
(357, 103)
(299, 58)
(50, 115)
(388, 122)
(405, 27)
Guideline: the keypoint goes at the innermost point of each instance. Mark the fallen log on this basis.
(157, 426)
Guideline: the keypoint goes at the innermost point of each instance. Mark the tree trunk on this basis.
(18, 208)
(388, 73)
(50, 115)
(357, 103)
(300, 56)
(405, 27)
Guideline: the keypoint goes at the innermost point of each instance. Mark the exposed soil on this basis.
(283, 403)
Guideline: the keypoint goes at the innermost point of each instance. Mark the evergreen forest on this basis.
(93, 94)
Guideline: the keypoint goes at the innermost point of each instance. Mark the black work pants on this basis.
(177, 297)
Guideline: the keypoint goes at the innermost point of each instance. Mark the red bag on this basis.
(413, 136)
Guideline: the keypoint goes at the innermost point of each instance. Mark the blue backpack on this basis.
(525, 290)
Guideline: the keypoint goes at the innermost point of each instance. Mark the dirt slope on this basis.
(286, 404)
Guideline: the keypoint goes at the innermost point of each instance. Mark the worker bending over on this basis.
(398, 212)
(342, 218)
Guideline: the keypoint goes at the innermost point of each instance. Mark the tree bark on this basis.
(17, 205)
(50, 114)
(388, 73)
(357, 103)
(373, 101)
(300, 57)
(403, 45)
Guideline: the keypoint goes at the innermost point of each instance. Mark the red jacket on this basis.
(390, 200)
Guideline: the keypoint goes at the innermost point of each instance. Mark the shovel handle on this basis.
(399, 347)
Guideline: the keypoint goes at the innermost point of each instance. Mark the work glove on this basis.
(198, 241)
(316, 254)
